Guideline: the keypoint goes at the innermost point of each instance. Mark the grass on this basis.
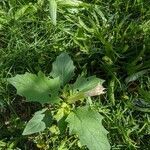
(108, 38)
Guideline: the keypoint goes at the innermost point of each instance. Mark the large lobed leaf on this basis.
(87, 124)
(38, 122)
(36, 88)
(83, 84)
(63, 67)
(84, 87)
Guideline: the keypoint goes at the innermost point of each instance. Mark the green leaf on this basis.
(135, 76)
(87, 124)
(53, 10)
(19, 13)
(141, 105)
(37, 88)
(70, 3)
(85, 87)
(37, 123)
(85, 84)
(24, 10)
(63, 67)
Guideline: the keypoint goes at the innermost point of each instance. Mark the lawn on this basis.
(106, 39)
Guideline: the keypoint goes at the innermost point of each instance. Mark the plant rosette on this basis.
(83, 121)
